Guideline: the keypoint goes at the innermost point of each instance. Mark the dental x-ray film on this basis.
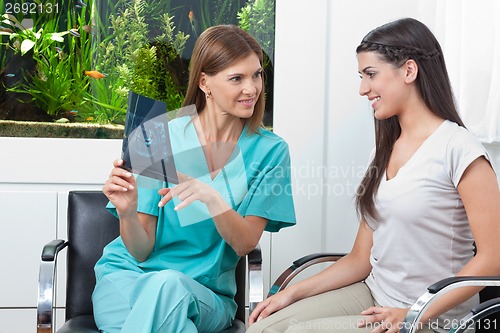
(146, 148)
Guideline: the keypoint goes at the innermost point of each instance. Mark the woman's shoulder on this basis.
(462, 148)
(459, 137)
(268, 137)
(264, 144)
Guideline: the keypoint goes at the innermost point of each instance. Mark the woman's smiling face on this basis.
(236, 89)
(383, 84)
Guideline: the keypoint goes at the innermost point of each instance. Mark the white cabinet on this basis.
(35, 178)
(17, 320)
(28, 219)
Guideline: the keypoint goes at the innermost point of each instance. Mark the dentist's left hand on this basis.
(189, 190)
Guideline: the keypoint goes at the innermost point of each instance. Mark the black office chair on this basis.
(90, 228)
(485, 317)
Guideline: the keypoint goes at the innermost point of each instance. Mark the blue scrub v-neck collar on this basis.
(231, 157)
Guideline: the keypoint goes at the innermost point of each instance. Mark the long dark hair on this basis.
(217, 48)
(395, 43)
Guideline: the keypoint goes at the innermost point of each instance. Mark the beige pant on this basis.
(334, 311)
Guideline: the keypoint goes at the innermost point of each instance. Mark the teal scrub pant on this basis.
(156, 302)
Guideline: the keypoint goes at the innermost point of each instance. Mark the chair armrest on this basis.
(300, 265)
(442, 287)
(255, 257)
(464, 281)
(255, 278)
(46, 280)
(50, 250)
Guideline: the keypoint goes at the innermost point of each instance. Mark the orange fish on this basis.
(191, 20)
(95, 74)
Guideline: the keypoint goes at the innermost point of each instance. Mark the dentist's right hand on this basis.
(137, 230)
(121, 190)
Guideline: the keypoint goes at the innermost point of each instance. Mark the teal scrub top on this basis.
(255, 181)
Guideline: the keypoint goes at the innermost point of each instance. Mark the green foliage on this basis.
(115, 56)
(144, 80)
(169, 47)
(214, 12)
(257, 18)
(129, 33)
(148, 68)
(177, 42)
(127, 44)
(57, 84)
(51, 87)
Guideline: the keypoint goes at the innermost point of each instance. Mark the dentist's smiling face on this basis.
(235, 90)
(383, 84)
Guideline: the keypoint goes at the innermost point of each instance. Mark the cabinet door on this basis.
(17, 320)
(27, 222)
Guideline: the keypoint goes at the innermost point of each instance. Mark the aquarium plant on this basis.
(133, 61)
(85, 57)
(55, 82)
(257, 18)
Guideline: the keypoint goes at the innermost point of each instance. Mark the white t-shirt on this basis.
(423, 234)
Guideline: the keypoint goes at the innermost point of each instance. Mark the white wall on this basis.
(319, 112)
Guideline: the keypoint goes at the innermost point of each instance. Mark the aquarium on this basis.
(74, 62)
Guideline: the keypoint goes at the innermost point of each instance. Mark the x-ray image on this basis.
(146, 148)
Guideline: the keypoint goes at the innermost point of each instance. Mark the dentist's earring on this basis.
(208, 94)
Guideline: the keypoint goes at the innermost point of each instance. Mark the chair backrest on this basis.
(241, 288)
(90, 228)
(491, 323)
